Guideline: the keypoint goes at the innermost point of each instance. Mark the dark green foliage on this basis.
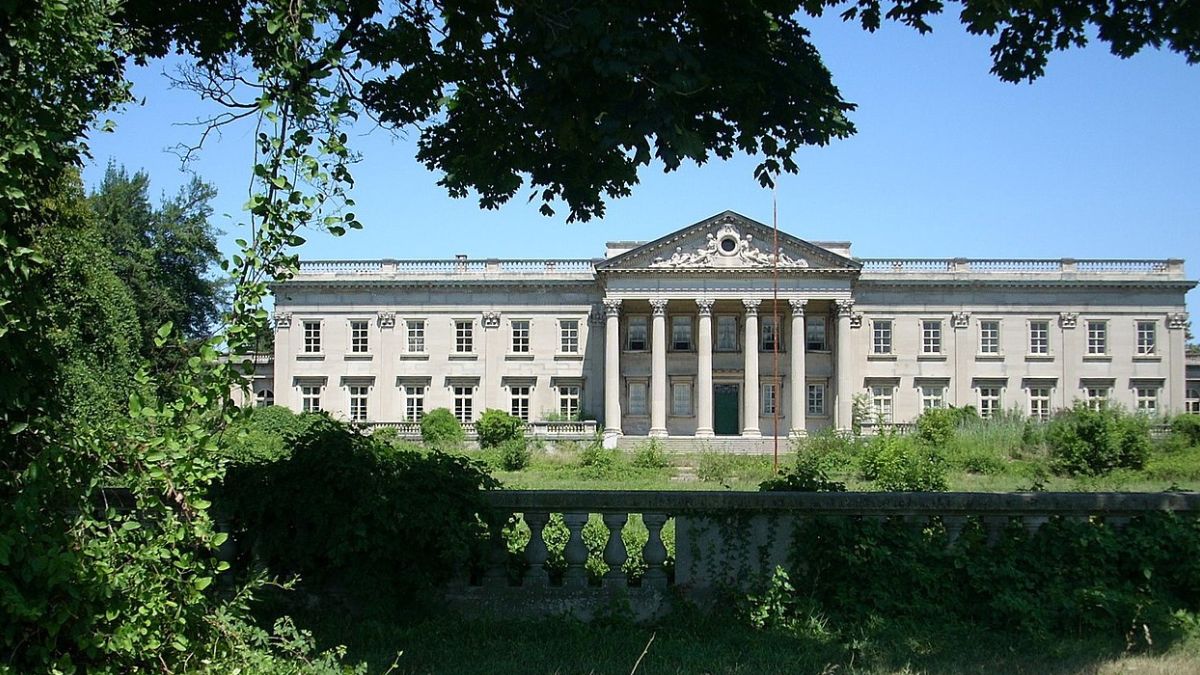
(441, 429)
(1187, 427)
(1069, 579)
(650, 455)
(261, 436)
(351, 514)
(514, 454)
(900, 464)
(936, 426)
(599, 461)
(496, 427)
(810, 473)
(1094, 442)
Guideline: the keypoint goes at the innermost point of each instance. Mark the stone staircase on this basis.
(730, 444)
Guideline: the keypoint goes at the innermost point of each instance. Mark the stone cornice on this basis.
(1164, 284)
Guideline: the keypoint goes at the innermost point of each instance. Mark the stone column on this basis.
(1173, 399)
(750, 385)
(798, 416)
(845, 366)
(612, 372)
(704, 368)
(658, 369)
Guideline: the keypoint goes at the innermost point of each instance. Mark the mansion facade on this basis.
(711, 331)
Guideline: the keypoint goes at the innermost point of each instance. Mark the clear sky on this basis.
(1098, 159)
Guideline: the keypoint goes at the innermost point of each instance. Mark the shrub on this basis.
(441, 429)
(899, 464)
(496, 427)
(261, 436)
(1187, 427)
(514, 454)
(1094, 442)
(651, 456)
(715, 467)
(598, 458)
(937, 426)
(386, 435)
(808, 474)
(837, 451)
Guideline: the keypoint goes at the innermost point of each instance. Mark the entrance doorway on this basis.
(725, 410)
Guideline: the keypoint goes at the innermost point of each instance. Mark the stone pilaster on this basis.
(797, 417)
(844, 358)
(704, 368)
(658, 368)
(612, 372)
(750, 391)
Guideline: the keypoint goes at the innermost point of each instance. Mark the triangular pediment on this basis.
(727, 241)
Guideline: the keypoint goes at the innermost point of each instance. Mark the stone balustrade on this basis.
(887, 266)
(563, 430)
(452, 267)
(725, 539)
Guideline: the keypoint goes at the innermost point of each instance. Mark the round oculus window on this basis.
(728, 244)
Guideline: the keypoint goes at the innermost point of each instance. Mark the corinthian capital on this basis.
(658, 306)
(751, 306)
(612, 307)
(845, 307)
(704, 306)
(798, 305)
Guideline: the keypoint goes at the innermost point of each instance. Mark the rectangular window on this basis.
(519, 402)
(358, 402)
(1039, 403)
(464, 336)
(989, 337)
(681, 399)
(310, 398)
(881, 337)
(816, 399)
(1146, 338)
(1039, 338)
(520, 336)
(1096, 397)
(933, 396)
(312, 337)
(1147, 400)
(770, 334)
(637, 398)
(882, 399)
(569, 397)
(681, 333)
(568, 336)
(1097, 337)
(416, 336)
(414, 402)
(931, 336)
(989, 401)
(814, 334)
(770, 398)
(1191, 403)
(636, 332)
(727, 331)
(464, 403)
(358, 337)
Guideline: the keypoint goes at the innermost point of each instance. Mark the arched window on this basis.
(264, 398)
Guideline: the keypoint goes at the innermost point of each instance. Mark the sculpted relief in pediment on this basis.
(727, 247)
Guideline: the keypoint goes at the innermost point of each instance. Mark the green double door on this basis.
(725, 410)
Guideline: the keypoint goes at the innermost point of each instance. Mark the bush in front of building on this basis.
(441, 429)
(514, 454)
(937, 426)
(650, 456)
(1187, 428)
(902, 464)
(1093, 442)
(496, 427)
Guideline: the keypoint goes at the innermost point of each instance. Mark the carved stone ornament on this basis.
(845, 307)
(961, 319)
(856, 320)
(283, 320)
(491, 319)
(704, 306)
(658, 306)
(612, 307)
(1177, 320)
(1068, 319)
(751, 305)
(727, 247)
(798, 305)
(387, 319)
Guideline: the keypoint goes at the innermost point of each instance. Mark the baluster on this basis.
(614, 552)
(1117, 522)
(954, 527)
(576, 553)
(535, 551)
(913, 521)
(995, 525)
(496, 573)
(655, 553)
(1034, 523)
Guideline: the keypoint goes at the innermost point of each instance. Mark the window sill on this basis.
(681, 417)
(681, 351)
(310, 357)
(1147, 357)
(464, 357)
(1039, 357)
(822, 350)
(519, 356)
(413, 356)
(931, 357)
(1097, 357)
(635, 351)
(881, 357)
(637, 416)
(727, 351)
(358, 357)
(568, 357)
(771, 351)
(989, 357)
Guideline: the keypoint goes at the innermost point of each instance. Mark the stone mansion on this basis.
(710, 331)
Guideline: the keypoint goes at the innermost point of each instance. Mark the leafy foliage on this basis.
(496, 427)
(650, 455)
(514, 454)
(810, 473)
(441, 429)
(1090, 441)
(899, 464)
(936, 426)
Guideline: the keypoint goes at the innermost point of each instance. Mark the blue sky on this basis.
(1098, 159)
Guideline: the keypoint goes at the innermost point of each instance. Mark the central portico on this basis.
(691, 325)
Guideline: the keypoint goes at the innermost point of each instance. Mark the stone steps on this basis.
(688, 444)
